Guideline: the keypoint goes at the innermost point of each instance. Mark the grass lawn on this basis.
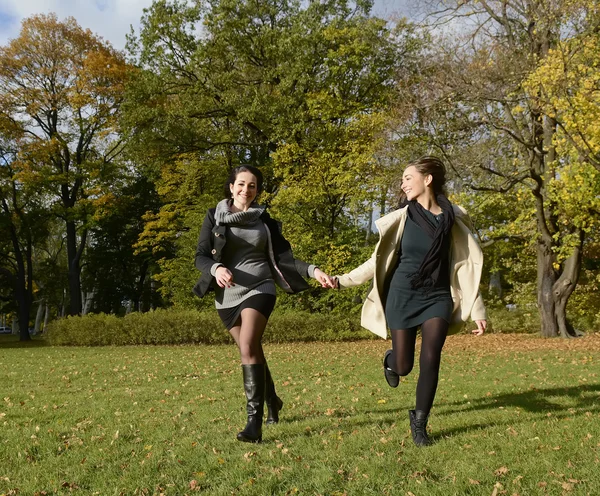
(514, 415)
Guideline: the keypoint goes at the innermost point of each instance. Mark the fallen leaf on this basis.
(501, 471)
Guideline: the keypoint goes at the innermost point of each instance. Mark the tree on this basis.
(114, 272)
(565, 86)
(296, 89)
(498, 136)
(15, 221)
(60, 90)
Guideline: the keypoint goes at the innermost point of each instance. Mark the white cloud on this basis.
(110, 19)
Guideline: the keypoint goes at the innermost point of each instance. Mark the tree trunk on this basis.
(138, 302)
(546, 279)
(554, 291)
(87, 301)
(23, 311)
(564, 287)
(74, 276)
(383, 201)
(153, 290)
(62, 309)
(46, 317)
(38, 317)
(22, 288)
(369, 224)
(495, 285)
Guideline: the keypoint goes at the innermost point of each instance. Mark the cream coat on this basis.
(466, 262)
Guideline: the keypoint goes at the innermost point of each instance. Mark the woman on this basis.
(426, 269)
(242, 254)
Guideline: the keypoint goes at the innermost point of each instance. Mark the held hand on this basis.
(324, 279)
(481, 327)
(224, 277)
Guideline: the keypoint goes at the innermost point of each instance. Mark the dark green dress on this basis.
(406, 307)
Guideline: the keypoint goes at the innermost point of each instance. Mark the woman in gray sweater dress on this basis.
(242, 255)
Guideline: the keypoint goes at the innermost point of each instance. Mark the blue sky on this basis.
(111, 19)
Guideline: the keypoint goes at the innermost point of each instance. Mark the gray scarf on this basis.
(224, 216)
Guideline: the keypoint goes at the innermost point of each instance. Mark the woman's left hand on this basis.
(324, 279)
(481, 327)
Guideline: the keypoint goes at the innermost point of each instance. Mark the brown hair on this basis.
(433, 166)
(244, 168)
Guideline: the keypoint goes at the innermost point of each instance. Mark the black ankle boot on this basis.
(392, 378)
(274, 402)
(418, 427)
(254, 386)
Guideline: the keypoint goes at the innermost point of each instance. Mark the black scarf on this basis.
(429, 270)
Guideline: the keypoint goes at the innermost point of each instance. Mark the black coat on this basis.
(288, 272)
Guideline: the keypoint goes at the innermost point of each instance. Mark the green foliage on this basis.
(524, 319)
(189, 326)
(565, 84)
(296, 89)
(154, 327)
(584, 306)
(507, 236)
(178, 273)
(513, 110)
(119, 276)
(60, 92)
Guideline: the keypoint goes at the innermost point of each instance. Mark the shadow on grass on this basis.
(579, 399)
(542, 400)
(12, 341)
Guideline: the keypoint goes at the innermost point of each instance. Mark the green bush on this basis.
(503, 320)
(190, 326)
(304, 326)
(527, 319)
(171, 326)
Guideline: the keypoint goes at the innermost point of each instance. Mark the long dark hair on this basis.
(428, 164)
(255, 171)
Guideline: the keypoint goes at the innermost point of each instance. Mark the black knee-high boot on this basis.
(254, 386)
(274, 402)
(418, 427)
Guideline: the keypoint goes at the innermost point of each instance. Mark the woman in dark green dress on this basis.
(426, 270)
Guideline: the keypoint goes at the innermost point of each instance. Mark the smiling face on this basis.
(244, 190)
(415, 184)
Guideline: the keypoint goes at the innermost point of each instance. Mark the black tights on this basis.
(433, 332)
(247, 333)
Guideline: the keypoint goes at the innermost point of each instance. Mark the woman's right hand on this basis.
(325, 280)
(224, 277)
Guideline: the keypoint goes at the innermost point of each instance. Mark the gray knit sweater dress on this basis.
(246, 255)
